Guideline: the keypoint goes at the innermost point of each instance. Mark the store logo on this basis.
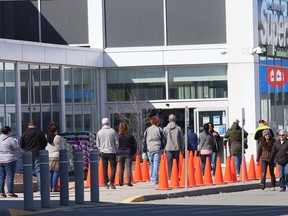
(277, 77)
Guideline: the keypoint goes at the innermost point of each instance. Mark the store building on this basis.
(76, 61)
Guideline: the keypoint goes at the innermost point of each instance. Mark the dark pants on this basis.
(122, 159)
(112, 159)
(170, 156)
(203, 161)
(265, 164)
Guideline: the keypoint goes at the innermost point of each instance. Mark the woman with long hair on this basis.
(126, 151)
(54, 145)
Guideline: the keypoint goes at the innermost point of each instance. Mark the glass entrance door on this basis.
(39, 95)
(216, 116)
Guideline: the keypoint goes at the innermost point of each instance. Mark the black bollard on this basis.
(27, 180)
(45, 178)
(64, 177)
(79, 176)
(94, 192)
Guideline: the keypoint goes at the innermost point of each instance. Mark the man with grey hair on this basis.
(107, 143)
(174, 142)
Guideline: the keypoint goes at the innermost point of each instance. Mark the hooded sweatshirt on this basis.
(8, 148)
(33, 140)
(174, 137)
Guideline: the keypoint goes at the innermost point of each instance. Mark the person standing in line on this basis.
(8, 159)
(206, 143)
(54, 145)
(192, 140)
(174, 142)
(263, 152)
(279, 151)
(107, 143)
(127, 150)
(216, 147)
(262, 126)
(234, 135)
(34, 140)
(153, 144)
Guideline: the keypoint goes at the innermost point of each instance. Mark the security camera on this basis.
(257, 50)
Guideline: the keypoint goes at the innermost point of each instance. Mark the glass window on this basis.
(2, 95)
(134, 23)
(198, 82)
(196, 22)
(24, 83)
(144, 84)
(55, 84)
(10, 83)
(45, 84)
(68, 85)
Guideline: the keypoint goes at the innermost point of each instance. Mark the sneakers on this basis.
(12, 195)
(110, 184)
(282, 190)
(2, 195)
(273, 189)
(55, 189)
(130, 185)
(262, 187)
(107, 186)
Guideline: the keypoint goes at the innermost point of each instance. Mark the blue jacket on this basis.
(192, 140)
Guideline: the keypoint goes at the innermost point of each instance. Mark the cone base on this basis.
(163, 188)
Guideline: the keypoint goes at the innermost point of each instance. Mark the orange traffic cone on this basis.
(218, 179)
(276, 171)
(233, 169)
(227, 174)
(191, 170)
(259, 170)
(88, 181)
(252, 171)
(174, 179)
(207, 172)
(101, 173)
(145, 171)
(116, 181)
(163, 179)
(198, 172)
(245, 171)
(180, 163)
(137, 172)
(195, 157)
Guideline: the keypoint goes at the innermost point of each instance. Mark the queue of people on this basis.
(121, 147)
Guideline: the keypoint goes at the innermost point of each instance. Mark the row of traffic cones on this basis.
(140, 173)
(194, 175)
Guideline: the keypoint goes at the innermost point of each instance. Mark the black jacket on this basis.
(127, 145)
(33, 140)
(280, 152)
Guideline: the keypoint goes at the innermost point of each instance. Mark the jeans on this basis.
(203, 161)
(170, 156)
(122, 160)
(111, 157)
(283, 172)
(238, 161)
(154, 161)
(7, 170)
(54, 175)
(36, 170)
(213, 162)
(271, 169)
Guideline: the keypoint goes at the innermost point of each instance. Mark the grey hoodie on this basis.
(8, 148)
(174, 137)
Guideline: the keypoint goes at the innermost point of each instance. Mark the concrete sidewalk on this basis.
(141, 191)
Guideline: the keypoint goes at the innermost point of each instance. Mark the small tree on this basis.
(135, 113)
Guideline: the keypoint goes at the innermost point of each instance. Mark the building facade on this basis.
(76, 61)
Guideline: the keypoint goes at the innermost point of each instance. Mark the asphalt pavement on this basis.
(141, 191)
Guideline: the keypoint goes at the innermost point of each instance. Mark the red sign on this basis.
(277, 77)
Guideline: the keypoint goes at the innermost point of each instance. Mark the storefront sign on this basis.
(273, 22)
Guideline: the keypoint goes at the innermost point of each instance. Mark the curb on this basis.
(199, 192)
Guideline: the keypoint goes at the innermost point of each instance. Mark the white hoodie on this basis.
(8, 148)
